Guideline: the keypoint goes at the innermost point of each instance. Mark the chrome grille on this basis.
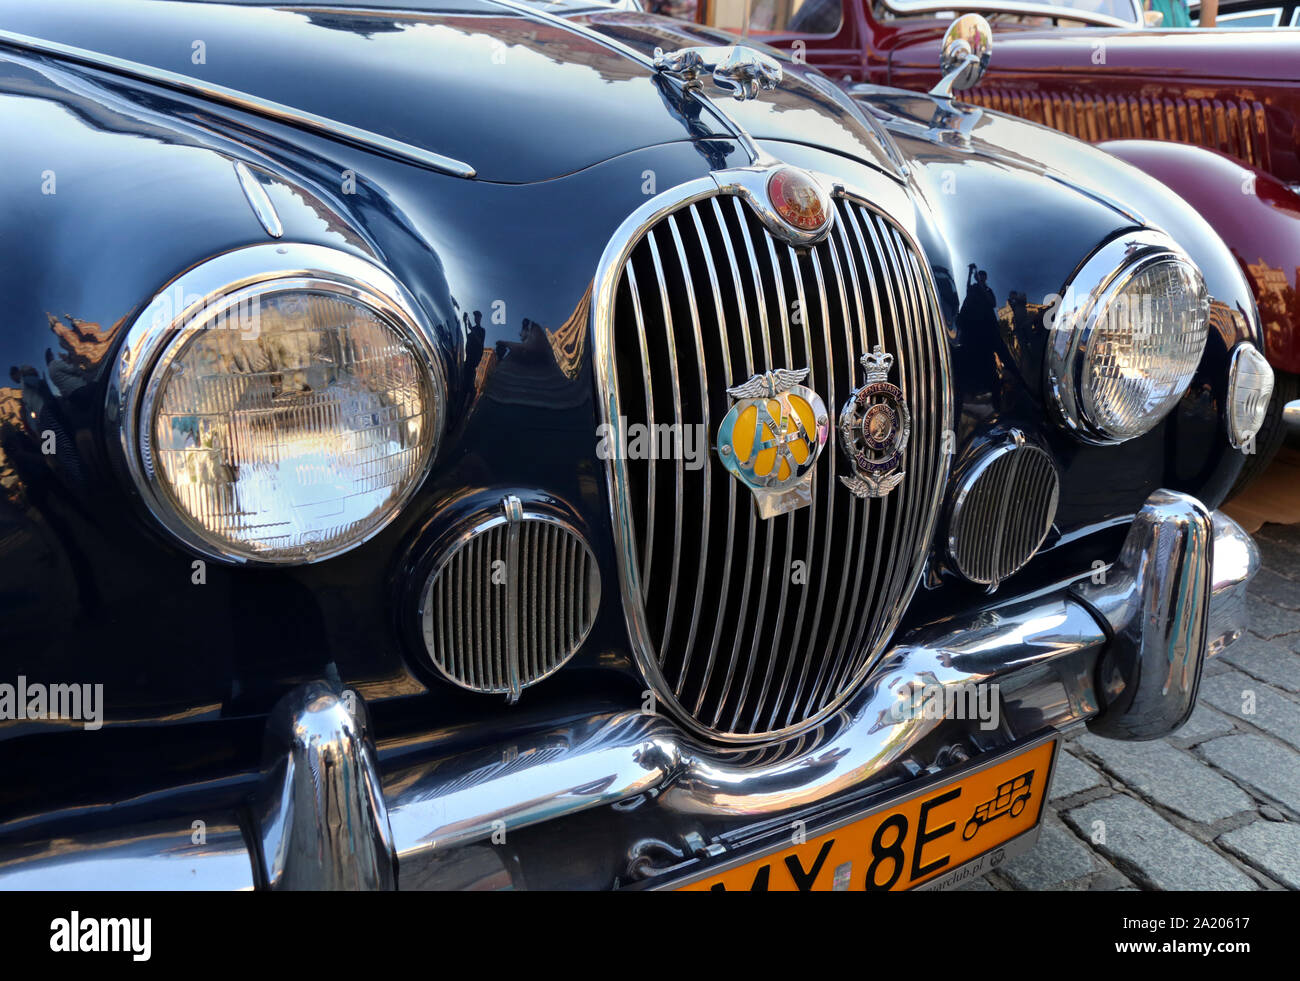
(1002, 510)
(748, 628)
(1237, 127)
(510, 602)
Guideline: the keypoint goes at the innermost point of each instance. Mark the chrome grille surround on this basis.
(497, 629)
(1003, 507)
(675, 259)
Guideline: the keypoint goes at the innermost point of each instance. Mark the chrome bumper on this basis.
(1122, 653)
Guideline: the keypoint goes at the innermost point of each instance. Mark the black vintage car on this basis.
(467, 443)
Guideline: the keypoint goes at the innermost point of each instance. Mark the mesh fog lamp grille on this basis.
(1002, 511)
(510, 601)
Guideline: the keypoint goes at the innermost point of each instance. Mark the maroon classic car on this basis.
(1214, 114)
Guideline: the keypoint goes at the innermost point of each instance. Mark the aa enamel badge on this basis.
(771, 439)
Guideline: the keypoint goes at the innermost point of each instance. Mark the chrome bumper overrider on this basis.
(1121, 651)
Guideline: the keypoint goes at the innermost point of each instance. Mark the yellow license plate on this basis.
(910, 841)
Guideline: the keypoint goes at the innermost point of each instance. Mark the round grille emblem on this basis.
(797, 199)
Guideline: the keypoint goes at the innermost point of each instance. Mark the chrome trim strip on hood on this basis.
(280, 113)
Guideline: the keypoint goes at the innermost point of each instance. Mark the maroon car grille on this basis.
(1233, 126)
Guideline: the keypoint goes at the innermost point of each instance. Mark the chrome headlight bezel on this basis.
(1086, 299)
(188, 303)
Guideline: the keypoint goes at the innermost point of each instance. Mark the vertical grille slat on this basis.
(675, 381)
(884, 506)
(832, 404)
(732, 492)
(769, 527)
(851, 503)
(861, 509)
(697, 334)
(813, 377)
(758, 655)
(783, 566)
(742, 329)
(647, 549)
(495, 618)
(909, 328)
(529, 598)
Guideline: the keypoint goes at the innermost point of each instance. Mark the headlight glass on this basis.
(1135, 325)
(1144, 349)
(286, 422)
(1250, 387)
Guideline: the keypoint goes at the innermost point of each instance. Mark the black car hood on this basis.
(516, 94)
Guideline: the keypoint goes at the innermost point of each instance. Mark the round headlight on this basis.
(278, 404)
(1128, 338)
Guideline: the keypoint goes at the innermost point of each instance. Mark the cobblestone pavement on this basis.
(1214, 806)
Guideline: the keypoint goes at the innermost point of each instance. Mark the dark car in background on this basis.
(480, 445)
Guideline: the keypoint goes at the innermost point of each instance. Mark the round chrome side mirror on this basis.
(964, 55)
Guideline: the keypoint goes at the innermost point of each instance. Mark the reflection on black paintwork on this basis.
(687, 108)
(978, 314)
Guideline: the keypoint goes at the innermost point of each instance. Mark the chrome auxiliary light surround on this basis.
(218, 305)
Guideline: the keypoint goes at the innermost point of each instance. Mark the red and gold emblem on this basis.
(797, 199)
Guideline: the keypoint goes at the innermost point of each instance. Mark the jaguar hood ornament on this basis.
(737, 69)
